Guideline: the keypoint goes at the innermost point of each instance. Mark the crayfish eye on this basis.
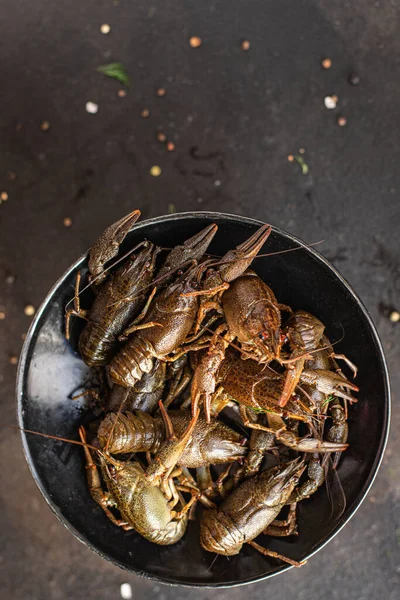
(263, 335)
(179, 273)
(112, 470)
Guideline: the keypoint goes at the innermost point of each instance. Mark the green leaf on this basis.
(302, 163)
(256, 409)
(115, 71)
(171, 208)
(329, 399)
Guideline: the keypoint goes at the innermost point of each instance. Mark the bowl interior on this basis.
(51, 371)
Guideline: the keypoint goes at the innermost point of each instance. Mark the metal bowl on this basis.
(50, 370)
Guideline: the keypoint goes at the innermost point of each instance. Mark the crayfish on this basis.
(259, 404)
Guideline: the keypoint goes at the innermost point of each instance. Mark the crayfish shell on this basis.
(96, 346)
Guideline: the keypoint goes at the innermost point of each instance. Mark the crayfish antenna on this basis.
(53, 437)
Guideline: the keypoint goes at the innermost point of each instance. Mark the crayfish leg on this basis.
(251, 425)
(170, 492)
(219, 484)
(286, 527)
(134, 328)
(187, 506)
(89, 392)
(199, 345)
(219, 401)
(339, 430)
(144, 310)
(315, 478)
(178, 384)
(101, 497)
(205, 375)
(285, 308)
(267, 552)
(170, 450)
(188, 484)
(77, 311)
(205, 481)
(204, 309)
(169, 428)
(211, 291)
(348, 362)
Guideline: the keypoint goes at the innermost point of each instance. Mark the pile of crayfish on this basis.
(178, 340)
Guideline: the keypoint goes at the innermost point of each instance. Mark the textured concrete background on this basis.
(244, 113)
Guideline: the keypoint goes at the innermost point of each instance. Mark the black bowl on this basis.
(50, 370)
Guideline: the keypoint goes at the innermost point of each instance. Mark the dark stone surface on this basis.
(243, 112)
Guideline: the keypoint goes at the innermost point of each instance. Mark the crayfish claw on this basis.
(238, 260)
(201, 240)
(107, 244)
(329, 383)
(192, 249)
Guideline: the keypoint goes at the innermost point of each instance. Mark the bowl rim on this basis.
(22, 367)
